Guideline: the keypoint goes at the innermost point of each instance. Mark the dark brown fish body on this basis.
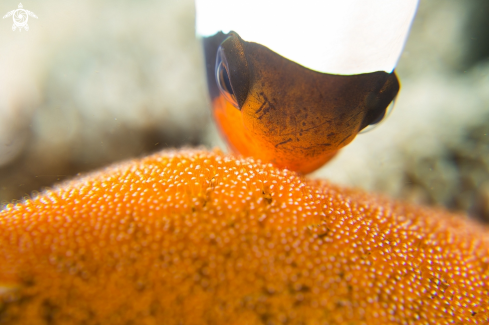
(276, 110)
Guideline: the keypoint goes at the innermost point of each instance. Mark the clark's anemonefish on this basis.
(291, 83)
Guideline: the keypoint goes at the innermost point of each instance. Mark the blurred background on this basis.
(95, 82)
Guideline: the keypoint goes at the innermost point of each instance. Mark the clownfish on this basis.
(291, 83)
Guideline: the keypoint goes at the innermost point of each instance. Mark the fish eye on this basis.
(223, 80)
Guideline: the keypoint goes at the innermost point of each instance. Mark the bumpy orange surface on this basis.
(199, 238)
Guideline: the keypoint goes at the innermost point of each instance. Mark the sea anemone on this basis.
(196, 237)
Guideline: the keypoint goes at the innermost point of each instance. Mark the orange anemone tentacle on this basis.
(192, 237)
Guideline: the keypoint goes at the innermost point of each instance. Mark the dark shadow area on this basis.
(477, 33)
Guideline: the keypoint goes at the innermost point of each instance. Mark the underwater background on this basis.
(95, 82)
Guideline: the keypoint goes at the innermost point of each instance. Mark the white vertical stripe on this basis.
(341, 36)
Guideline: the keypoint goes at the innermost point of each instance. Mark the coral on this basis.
(193, 237)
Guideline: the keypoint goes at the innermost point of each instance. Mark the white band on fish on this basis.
(336, 37)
